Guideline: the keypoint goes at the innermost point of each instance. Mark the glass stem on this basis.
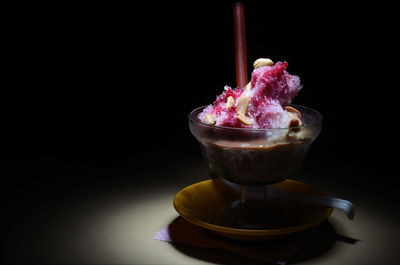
(254, 193)
(243, 194)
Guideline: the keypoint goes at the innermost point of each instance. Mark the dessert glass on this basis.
(253, 159)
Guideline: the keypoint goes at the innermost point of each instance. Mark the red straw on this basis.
(240, 45)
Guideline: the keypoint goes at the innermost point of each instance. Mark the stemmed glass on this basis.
(254, 159)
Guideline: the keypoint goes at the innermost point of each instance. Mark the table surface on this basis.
(112, 218)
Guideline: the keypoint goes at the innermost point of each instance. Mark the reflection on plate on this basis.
(201, 202)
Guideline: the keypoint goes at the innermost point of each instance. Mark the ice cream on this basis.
(262, 104)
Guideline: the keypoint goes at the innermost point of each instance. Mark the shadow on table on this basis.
(320, 242)
(217, 256)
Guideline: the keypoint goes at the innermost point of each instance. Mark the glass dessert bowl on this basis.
(251, 159)
(255, 156)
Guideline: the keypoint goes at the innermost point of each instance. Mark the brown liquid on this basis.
(255, 163)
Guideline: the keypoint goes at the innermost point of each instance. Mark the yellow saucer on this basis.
(200, 202)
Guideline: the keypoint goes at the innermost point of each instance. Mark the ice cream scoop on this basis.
(261, 104)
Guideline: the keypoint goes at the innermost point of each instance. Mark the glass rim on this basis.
(197, 120)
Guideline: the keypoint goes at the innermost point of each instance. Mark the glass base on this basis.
(254, 215)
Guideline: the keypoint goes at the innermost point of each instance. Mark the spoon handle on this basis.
(273, 192)
(345, 205)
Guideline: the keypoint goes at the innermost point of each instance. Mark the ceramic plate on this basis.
(201, 202)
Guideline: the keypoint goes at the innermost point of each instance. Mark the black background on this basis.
(105, 82)
(88, 88)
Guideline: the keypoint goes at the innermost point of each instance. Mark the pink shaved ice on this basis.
(272, 88)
